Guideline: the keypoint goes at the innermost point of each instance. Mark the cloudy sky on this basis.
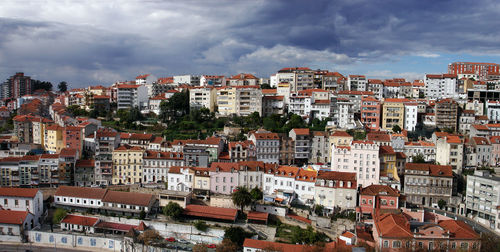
(100, 42)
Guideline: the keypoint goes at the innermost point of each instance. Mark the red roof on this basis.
(128, 198)
(459, 229)
(301, 132)
(276, 246)
(211, 212)
(434, 170)
(266, 136)
(299, 218)
(115, 226)
(393, 225)
(13, 217)
(260, 216)
(341, 134)
(18, 192)
(374, 190)
(80, 192)
(80, 220)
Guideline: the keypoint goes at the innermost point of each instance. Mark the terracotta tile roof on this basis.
(396, 100)
(80, 192)
(320, 133)
(434, 170)
(128, 148)
(269, 91)
(495, 139)
(374, 190)
(30, 158)
(453, 139)
(288, 69)
(353, 92)
(128, 198)
(211, 212)
(18, 192)
(50, 156)
(301, 132)
(143, 76)
(67, 152)
(362, 142)
(341, 134)
(115, 226)
(393, 225)
(400, 155)
(149, 154)
(266, 136)
(378, 137)
(80, 220)
(287, 171)
(127, 86)
(85, 163)
(306, 175)
(262, 245)
(260, 216)
(13, 217)
(459, 229)
(480, 140)
(386, 150)
(299, 218)
(338, 176)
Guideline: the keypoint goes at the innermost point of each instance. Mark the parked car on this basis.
(170, 239)
(211, 246)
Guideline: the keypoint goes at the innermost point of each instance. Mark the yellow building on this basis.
(226, 101)
(340, 138)
(388, 165)
(54, 139)
(201, 185)
(393, 113)
(39, 129)
(127, 165)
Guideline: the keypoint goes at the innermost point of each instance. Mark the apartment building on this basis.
(427, 184)
(202, 97)
(447, 114)
(440, 86)
(213, 80)
(298, 78)
(333, 81)
(478, 153)
(483, 199)
(243, 79)
(267, 146)
(450, 151)
(320, 146)
(482, 70)
(127, 165)
(132, 96)
(105, 141)
(55, 139)
(273, 105)
(156, 165)
(357, 82)
(192, 80)
(393, 113)
(302, 140)
(335, 190)
(240, 101)
(370, 113)
(360, 157)
(224, 177)
(376, 87)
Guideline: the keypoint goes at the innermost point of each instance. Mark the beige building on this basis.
(393, 113)
(241, 100)
(335, 190)
(427, 184)
(201, 182)
(54, 141)
(127, 165)
(450, 151)
(203, 97)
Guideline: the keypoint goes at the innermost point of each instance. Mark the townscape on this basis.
(305, 160)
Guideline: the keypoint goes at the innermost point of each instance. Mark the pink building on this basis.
(72, 138)
(370, 113)
(495, 150)
(375, 197)
(394, 232)
(223, 177)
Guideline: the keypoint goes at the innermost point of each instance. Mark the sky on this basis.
(101, 42)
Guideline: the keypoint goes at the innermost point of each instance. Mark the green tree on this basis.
(173, 210)
(266, 86)
(419, 158)
(237, 235)
(227, 246)
(256, 193)
(241, 197)
(142, 215)
(441, 203)
(59, 215)
(63, 86)
(45, 85)
(396, 129)
(201, 225)
(175, 107)
(318, 210)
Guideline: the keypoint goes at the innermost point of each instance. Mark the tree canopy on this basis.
(241, 197)
(45, 85)
(237, 235)
(396, 129)
(256, 193)
(173, 210)
(63, 86)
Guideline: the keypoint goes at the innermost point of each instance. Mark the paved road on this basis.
(478, 227)
(27, 247)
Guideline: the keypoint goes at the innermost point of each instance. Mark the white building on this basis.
(482, 199)
(335, 190)
(203, 97)
(79, 223)
(13, 223)
(130, 96)
(156, 165)
(411, 110)
(440, 86)
(493, 111)
(345, 114)
(357, 82)
(304, 186)
(180, 179)
(192, 80)
(213, 80)
(73, 197)
(23, 199)
(361, 157)
(267, 145)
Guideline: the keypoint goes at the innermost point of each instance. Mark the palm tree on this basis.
(242, 197)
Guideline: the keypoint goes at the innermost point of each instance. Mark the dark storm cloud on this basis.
(94, 42)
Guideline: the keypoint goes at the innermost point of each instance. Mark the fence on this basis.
(74, 240)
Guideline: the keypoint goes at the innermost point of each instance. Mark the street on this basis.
(27, 247)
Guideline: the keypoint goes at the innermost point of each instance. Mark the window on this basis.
(5, 201)
(80, 240)
(464, 245)
(64, 239)
(16, 202)
(92, 242)
(386, 244)
(51, 238)
(396, 244)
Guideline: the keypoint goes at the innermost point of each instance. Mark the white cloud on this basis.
(387, 74)
(427, 55)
